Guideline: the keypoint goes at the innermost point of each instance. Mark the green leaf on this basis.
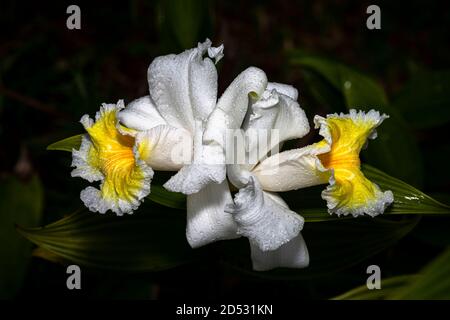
(20, 202)
(67, 144)
(323, 92)
(144, 241)
(407, 199)
(358, 90)
(395, 140)
(433, 283)
(332, 245)
(167, 198)
(425, 99)
(388, 287)
(183, 19)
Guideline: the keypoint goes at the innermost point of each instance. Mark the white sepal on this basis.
(206, 219)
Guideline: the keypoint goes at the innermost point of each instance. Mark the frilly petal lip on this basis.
(373, 207)
(80, 161)
(349, 191)
(373, 117)
(96, 201)
(264, 221)
(112, 158)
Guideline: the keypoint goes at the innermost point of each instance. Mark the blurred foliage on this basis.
(183, 22)
(50, 77)
(389, 286)
(147, 242)
(21, 202)
(433, 282)
(422, 98)
(144, 242)
(430, 283)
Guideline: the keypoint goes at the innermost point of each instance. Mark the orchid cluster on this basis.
(182, 126)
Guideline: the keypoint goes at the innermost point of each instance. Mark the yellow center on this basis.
(112, 153)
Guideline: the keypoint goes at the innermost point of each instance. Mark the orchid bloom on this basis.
(334, 160)
(181, 113)
(263, 217)
(183, 88)
(123, 145)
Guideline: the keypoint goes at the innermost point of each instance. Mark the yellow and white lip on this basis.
(113, 158)
(334, 160)
(349, 191)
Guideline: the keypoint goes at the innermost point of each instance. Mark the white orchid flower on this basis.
(183, 91)
(262, 216)
(334, 160)
(181, 113)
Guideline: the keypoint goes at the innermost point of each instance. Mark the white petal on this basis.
(250, 82)
(285, 89)
(216, 53)
(165, 148)
(238, 175)
(233, 104)
(141, 114)
(208, 166)
(273, 119)
(193, 177)
(206, 219)
(184, 86)
(293, 169)
(293, 254)
(265, 222)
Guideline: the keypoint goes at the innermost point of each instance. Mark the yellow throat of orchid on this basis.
(349, 190)
(109, 155)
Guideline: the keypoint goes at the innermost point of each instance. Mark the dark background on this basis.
(50, 76)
